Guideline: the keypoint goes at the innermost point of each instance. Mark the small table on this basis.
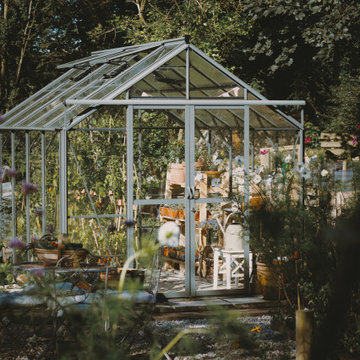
(78, 274)
(232, 266)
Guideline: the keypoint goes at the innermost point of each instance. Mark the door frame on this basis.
(189, 199)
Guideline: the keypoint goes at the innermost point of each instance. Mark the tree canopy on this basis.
(284, 48)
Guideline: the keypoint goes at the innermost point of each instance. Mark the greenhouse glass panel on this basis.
(208, 81)
(32, 102)
(49, 109)
(169, 80)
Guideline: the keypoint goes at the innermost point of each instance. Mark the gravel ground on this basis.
(269, 343)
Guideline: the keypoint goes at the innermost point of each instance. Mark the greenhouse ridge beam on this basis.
(195, 102)
(184, 102)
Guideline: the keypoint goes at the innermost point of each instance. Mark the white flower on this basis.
(324, 172)
(215, 182)
(306, 173)
(217, 162)
(259, 169)
(238, 171)
(239, 160)
(198, 176)
(300, 167)
(257, 179)
(169, 234)
(287, 158)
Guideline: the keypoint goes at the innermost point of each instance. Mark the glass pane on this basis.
(53, 105)
(130, 73)
(32, 102)
(207, 81)
(159, 154)
(215, 151)
(219, 248)
(173, 258)
(167, 81)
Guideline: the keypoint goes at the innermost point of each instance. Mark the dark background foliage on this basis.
(285, 49)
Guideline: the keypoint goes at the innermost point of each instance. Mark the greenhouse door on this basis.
(218, 161)
(180, 140)
(158, 164)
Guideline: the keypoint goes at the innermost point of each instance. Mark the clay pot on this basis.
(269, 282)
(176, 173)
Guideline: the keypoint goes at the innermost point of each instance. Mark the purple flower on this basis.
(50, 229)
(39, 212)
(355, 140)
(129, 223)
(28, 188)
(111, 228)
(34, 239)
(38, 272)
(16, 243)
(11, 173)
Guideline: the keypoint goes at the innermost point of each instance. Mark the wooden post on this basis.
(304, 333)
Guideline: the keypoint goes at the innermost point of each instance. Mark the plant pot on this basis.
(269, 282)
(176, 173)
(51, 257)
(113, 276)
(176, 213)
(255, 203)
(304, 333)
(169, 212)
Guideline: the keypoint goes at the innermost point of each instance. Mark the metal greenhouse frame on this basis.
(165, 75)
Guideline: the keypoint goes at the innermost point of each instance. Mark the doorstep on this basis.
(198, 307)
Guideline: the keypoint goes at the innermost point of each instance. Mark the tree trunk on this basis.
(3, 57)
(26, 37)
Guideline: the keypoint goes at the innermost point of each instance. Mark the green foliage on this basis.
(214, 26)
(6, 276)
(283, 228)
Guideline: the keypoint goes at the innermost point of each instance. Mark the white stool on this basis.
(232, 266)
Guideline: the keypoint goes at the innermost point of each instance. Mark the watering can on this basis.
(233, 234)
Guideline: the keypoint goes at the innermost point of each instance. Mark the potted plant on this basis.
(288, 234)
(50, 250)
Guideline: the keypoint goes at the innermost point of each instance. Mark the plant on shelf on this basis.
(287, 232)
(50, 250)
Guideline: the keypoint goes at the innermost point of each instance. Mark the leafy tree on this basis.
(36, 36)
(215, 26)
(299, 49)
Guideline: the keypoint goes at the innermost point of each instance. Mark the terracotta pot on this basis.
(114, 276)
(169, 212)
(199, 165)
(176, 173)
(269, 282)
(255, 203)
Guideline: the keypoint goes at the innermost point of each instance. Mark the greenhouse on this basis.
(133, 137)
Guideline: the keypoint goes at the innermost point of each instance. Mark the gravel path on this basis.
(269, 343)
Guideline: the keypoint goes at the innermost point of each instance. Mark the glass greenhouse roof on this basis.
(156, 70)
